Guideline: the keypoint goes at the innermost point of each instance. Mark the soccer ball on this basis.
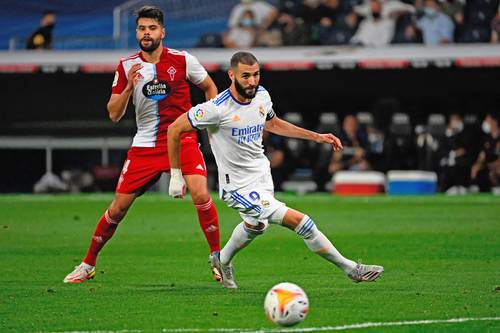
(286, 304)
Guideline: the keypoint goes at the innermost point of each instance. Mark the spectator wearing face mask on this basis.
(41, 38)
(263, 14)
(485, 173)
(437, 28)
(355, 142)
(378, 26)
(455, 162)
(244, 34)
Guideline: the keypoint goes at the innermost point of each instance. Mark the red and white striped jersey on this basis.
(162, 93)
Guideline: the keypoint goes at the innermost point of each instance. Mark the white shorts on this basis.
(256, 202)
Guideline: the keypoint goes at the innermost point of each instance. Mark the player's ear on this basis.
(230, 72)
(163, 32)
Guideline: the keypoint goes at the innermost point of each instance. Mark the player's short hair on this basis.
(151, 12)
(245, 58)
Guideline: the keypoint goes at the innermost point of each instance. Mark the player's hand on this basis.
(177, 187)
(330, 139)
(133, 75)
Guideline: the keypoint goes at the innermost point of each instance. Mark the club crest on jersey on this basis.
(171, 71)
(156, 90)
(261, 111)
(199, 114)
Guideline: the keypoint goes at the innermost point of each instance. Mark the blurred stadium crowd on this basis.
(360, 22)
(463, 150)
(250, 23)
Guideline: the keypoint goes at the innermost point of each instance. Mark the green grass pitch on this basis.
(441, 256)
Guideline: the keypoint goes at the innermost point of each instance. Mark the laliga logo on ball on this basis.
(286, 304)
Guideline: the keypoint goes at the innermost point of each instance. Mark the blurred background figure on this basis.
(263, 14)
(437, 27)
(378, 25)
(338, 22)
(41, 38)
(485, 172)
(355, 142)
(244, 34)
(456, 161)
(495, 27)
(455, 11)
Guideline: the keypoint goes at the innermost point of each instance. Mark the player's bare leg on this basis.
(105, 229)
(207, 216)
(317, 242)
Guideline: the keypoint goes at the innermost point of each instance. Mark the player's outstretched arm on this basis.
(177, 187)
(284, 128)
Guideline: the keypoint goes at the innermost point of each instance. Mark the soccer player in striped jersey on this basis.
(157, 79)
(235, 120)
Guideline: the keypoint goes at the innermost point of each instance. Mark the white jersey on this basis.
(235, 131)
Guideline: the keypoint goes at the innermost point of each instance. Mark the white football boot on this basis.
(226, 273)
(81, 273)
(365, 273)
(215, 271)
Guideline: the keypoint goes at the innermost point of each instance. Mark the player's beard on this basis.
(247, 93)
(154, 43)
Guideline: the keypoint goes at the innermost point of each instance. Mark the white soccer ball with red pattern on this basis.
(286, 304)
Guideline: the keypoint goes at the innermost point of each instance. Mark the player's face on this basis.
(149, 34)
(246, 80)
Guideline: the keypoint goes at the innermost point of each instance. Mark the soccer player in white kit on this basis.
(235, 121)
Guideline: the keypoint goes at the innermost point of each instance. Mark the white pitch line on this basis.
(298, 329)
(333, 328)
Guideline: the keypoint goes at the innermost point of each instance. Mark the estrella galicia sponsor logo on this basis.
(247, 134)
(156, 90)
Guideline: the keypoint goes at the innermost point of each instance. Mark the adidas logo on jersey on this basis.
(200, 167)
(236, 118)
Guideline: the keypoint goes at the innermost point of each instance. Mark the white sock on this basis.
(317, 242)
(240, 238)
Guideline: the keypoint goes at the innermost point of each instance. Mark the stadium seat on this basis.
(436, 125)
(400, 124)
(365, 118)
(295, 146)
(328, 123)
(399, 145)
(298, 150)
